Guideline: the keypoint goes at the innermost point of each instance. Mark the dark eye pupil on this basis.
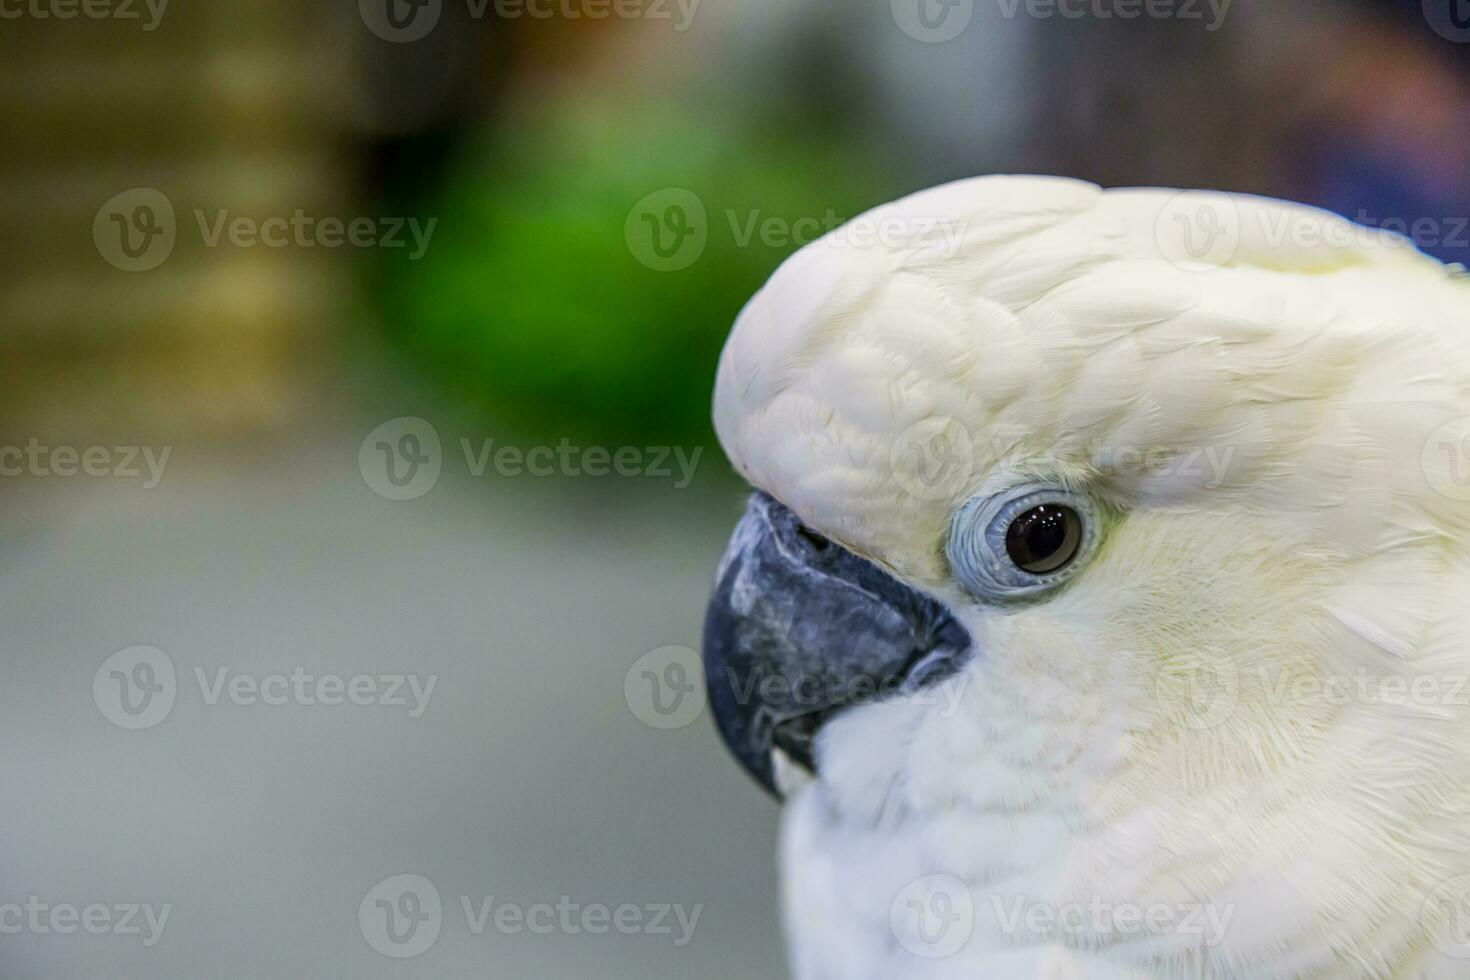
(1044, 538)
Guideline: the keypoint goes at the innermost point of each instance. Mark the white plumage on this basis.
(1279, 422)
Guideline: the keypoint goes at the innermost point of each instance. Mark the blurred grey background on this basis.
(560, 209)
(527, 777)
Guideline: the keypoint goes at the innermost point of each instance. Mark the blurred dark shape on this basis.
(1383, 137)
(1357, 108)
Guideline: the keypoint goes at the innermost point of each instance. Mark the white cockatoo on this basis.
(1103, 606)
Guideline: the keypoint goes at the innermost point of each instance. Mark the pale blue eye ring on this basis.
(984, 538)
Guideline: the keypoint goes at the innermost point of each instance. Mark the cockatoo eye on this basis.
(1044, 538)
(1022, 541)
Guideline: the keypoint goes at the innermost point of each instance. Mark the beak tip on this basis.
(738, 725)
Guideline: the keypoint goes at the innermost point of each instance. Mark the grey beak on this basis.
(799, 628)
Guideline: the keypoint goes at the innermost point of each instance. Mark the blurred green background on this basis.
(536, 311)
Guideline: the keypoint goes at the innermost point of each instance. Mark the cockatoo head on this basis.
(1066, 493)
